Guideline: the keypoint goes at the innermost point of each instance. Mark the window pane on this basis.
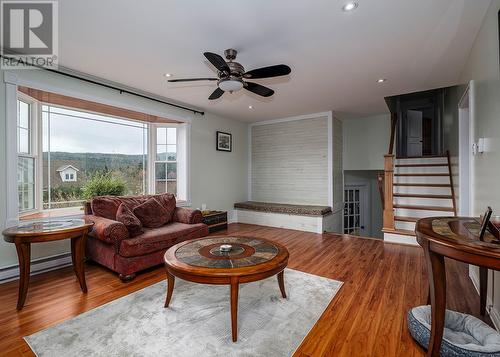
(171, 136)
(160, 187)
(24, 114)
(26, 180)
(171, 152)
(23, 144)
(161, 136)
(172, 187)
(160, 173)
(102, 145)
(161, 152)
(171, 171)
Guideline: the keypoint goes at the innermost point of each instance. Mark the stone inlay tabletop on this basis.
(245, 252)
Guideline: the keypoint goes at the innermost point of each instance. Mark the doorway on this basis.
(355, 210)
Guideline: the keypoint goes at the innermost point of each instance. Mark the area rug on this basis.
(197, 323)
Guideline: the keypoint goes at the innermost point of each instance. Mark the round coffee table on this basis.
(202, 261)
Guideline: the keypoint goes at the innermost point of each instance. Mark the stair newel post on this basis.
(388, 192)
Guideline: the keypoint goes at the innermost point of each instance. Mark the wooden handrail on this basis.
(394, 120)
(380, 181)
(388, 219)
(451, 183)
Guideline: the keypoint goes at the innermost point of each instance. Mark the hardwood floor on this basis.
(366, 318)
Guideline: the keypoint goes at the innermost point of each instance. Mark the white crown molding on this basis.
(328, 114)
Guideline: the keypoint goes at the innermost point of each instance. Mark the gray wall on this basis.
(374, 216)
(366, 141)
(218, 179)
(289, 162)
(483, 67)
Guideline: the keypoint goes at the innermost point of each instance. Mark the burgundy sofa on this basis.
(111, 244)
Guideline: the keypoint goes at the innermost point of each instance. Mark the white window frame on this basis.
(183, 158)
(34, 153)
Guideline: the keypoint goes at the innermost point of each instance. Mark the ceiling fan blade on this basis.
(217, 61)
(258, 89)
(268, 72)
(192, 79)
(216, 94)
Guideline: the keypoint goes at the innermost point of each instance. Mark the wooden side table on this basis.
(47, 231)
(455, 238)
(215, 220)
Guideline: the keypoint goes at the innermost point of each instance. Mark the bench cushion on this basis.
(301, 210)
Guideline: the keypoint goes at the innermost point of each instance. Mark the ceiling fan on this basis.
(231, 75)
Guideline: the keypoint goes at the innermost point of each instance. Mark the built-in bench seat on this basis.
(302, 217)
(301, 210)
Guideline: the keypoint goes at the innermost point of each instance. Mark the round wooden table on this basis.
(202, 261)
(455, 238)
(47, 231)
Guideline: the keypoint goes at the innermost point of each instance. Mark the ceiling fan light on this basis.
(230, 84)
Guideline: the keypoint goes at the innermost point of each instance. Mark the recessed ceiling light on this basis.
(351, 5)
(250, 107)
(381, 80)
(168, 75)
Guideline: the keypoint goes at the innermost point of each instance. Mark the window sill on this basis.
(52, 213)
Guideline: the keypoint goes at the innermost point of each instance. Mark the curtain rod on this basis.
(121, 90)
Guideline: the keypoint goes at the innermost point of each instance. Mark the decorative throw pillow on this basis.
(152, 214)
(167, 200)
(105, 206)
(133, 224)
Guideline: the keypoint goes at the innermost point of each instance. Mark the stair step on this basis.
(406, 219)
(423, 174)
(421, 165)
(420, 157)
(405, 232)
(422, 184)
(418, 195)
(425, 208)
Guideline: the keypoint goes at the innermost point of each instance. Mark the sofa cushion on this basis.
(133, 224)
(105, 206)
(152, 214)
(161, 238)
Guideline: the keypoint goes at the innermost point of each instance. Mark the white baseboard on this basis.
(38, 266)
(490, 309)
(400, 239)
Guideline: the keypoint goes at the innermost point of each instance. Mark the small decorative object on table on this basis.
(225, 248)
(224, 141)
(215, 220)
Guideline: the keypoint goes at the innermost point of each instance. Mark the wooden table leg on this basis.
(24, 257)
(281, 282)
(234, 308)
(170, 287)
(78, 258)
(437, 278)
(483, 289)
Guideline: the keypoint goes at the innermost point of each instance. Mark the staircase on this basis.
(421, 187)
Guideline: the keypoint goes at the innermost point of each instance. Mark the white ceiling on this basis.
(336, 57)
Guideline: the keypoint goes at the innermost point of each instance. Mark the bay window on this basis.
(73, 145)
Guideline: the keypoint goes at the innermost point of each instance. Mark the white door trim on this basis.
(465, 155)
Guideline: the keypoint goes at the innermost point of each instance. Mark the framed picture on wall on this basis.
(224, 141)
